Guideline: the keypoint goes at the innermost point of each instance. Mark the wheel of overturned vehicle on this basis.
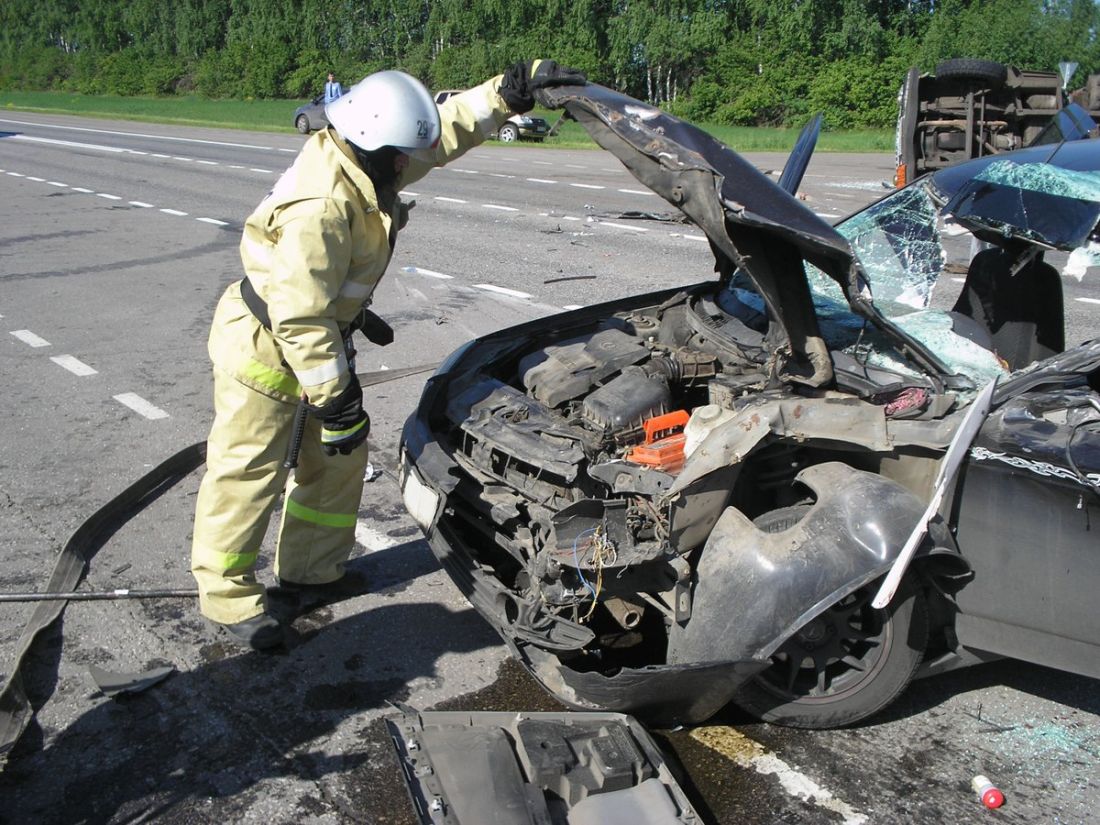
(848, 663)
(302, 124)
(987, 72)
(508, 133)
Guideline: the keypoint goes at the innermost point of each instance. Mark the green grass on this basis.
(275, 116)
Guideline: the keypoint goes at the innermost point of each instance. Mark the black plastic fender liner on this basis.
(83, 544)
(753, 590)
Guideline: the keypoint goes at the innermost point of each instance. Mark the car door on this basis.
(1028, 520)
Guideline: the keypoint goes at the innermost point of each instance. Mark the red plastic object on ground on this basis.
(663, 448)
(987, 792)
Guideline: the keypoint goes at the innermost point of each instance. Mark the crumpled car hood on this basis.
(752, 224)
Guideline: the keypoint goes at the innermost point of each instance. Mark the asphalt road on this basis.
(116, 240)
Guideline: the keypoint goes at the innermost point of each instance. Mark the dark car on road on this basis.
(310, 117)
(795, 485)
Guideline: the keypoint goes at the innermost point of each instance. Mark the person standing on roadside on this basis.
(333, 89)
(313, 252)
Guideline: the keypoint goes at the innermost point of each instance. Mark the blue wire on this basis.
(577, 561)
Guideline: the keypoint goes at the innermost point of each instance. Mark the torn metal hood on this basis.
(507, 768)
(753, 224)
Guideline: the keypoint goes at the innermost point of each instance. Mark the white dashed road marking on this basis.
(39, 180)
(141, 204)
(264, 171)
(29, 338)
(174, 212)
(501, 208)
(405, 193)
(1089, 300)
(58, 183)
(623, 226)
(449, 200)
(587, 186)
(748, 753)
(139, 405)
(82, 190)
(540, 180)
(636, 192)
(108, 197)
(17, 174)
(501, 290)
(185, 160)
(74, 365)
(416, 270)
(371, 539)
(573, 306)
(208, 162)
(213, 221)
(162, 157)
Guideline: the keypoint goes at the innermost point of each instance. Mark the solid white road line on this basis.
(449, 200)
(150, 137)
(73, 365)
(139, 405)
(501, 208)
(416, 270)
(213, 221)
(500, 290)
(174, 212)
(29, 338)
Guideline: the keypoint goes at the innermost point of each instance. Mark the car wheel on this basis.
(508, 133)
(302, 124)
(986, 72)
(845, 664)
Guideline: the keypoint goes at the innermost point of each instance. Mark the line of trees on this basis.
(749, 62)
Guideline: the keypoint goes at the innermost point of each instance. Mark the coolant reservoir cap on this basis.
(707, 412)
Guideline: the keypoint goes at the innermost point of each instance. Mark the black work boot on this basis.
(310, 596)
(259, 633)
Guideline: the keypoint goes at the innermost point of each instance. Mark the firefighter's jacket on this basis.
(315, 249)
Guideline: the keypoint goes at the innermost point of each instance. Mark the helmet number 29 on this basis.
(423, 129)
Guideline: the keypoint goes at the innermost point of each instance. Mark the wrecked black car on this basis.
(796, 485)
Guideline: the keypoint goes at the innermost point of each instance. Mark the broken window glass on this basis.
(1055, 207)
(899, 248)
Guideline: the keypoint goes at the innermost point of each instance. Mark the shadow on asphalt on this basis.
(196, 747)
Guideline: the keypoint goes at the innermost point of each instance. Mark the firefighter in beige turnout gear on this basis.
(313, 253)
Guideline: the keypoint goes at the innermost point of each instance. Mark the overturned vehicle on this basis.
(674, 501)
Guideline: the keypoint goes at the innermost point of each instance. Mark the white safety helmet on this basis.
(386, 109)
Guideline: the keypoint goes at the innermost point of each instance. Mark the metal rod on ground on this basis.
(103, 595)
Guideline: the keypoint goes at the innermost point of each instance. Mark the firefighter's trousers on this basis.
(244, 476)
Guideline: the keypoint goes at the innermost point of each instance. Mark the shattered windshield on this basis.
(899, 245)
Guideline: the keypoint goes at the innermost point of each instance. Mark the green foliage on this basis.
(736, 62)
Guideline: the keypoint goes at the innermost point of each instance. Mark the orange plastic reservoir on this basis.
(663, 448)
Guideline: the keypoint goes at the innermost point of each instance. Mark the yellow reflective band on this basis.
(274, 379)
(335, 435)
(216, 560)
(300, 511)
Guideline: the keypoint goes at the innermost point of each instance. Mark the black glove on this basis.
(344, 423)
(526, 77)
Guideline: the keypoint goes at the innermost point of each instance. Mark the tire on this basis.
(986, 72)
(860, 659)
(508, 133)
(302, 124)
